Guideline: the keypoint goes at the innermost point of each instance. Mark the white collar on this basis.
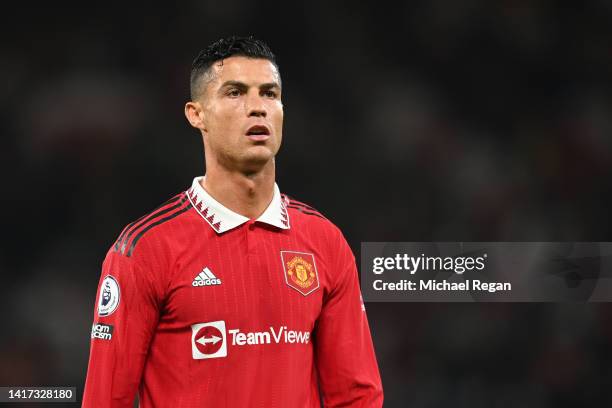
(222, 219)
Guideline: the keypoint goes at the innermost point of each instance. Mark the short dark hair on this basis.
(224, 48)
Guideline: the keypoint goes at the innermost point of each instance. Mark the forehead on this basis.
(246, 70)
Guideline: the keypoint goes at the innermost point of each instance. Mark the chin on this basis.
(257, 157)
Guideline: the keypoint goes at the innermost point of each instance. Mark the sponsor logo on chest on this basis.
(210, 340)
(274, 335)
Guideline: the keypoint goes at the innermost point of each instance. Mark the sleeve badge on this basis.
(109, 296)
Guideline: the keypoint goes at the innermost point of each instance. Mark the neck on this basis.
(246, 194)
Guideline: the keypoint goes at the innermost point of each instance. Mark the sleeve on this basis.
(124, 321)
(344, 353)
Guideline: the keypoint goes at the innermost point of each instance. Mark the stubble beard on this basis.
(248, 162)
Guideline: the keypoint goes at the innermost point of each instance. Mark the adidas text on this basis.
(205, 278)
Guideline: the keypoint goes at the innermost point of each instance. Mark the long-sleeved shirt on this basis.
(198, 306)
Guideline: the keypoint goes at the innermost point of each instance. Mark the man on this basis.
(231, 294)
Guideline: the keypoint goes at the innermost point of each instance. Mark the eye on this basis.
(269, 94)
(233, 92)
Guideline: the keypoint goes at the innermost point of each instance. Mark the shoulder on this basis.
(319, 230)
(143, 231)
(302, 214)
(302, 210)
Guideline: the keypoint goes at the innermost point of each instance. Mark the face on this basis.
(240, 113)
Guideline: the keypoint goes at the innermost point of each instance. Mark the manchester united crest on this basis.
(300, 271)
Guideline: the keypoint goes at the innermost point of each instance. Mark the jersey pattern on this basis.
(198, 306)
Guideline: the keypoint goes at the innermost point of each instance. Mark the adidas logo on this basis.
(205, 278)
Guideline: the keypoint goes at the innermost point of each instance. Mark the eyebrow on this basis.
(270, 85)
(243, 86)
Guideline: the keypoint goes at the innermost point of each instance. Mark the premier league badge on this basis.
(109, 296)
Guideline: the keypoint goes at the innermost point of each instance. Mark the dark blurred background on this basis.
(434, 120)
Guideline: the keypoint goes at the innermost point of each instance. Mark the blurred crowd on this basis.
(426, 121)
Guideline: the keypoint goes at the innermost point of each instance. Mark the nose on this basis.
(255, 106)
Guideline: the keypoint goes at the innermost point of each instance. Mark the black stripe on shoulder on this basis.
(142, 220)
(301, 204)
(155, 224)
(168, 206)
(306, 210)
(293, 201)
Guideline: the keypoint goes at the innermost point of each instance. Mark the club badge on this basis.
(300, 271)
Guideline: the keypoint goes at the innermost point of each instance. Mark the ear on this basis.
(195, 114)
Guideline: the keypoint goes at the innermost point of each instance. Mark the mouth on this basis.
(258, 133)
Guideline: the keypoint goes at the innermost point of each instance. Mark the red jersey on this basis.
(198, 306)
